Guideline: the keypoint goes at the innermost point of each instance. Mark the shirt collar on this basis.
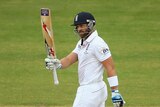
(92, 36)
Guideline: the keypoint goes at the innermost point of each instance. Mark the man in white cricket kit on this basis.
(93, 56)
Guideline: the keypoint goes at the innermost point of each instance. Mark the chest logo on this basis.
(86, 51)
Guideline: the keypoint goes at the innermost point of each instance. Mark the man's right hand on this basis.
(51, 63)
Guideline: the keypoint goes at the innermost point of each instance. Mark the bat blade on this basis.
(46, 24)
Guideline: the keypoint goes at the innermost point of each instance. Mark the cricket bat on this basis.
(49, 38)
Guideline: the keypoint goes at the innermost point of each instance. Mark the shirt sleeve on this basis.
(76, 49)
(102, 51)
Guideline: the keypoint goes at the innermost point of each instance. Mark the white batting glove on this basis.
(117, 99)
(51, 63)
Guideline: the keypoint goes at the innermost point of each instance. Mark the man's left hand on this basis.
(117, 99)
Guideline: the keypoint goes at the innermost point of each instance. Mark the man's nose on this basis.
(79, 28)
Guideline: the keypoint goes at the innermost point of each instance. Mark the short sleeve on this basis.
(76, 49)
(102, 51)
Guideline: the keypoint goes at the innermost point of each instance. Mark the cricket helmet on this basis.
(83, 18)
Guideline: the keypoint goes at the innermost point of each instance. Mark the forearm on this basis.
(111, 73)
(113, 79)
(65, 62)
(69, 60)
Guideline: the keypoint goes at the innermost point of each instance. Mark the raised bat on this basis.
(49, 38)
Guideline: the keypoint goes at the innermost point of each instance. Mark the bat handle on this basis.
(55, 77)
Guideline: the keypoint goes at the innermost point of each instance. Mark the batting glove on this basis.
(117, 99)
(51, 63)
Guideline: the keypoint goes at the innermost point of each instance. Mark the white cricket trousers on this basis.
(92, 95)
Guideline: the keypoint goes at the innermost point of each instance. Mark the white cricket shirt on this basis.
(90, 55)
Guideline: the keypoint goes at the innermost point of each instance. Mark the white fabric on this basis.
(90, 55)
(113, 81)
(93, 95)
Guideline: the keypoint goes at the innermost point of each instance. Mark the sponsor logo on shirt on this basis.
(105, 51)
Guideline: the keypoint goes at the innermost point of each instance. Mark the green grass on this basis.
(130, 27)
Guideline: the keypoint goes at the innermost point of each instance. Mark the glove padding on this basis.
(117, 99)
(51, 63)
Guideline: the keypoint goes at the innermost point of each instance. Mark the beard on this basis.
(84, 34)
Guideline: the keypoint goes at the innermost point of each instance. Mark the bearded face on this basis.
(82, 30)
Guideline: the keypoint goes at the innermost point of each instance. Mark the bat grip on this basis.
(55, 77)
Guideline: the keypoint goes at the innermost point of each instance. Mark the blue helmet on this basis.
(84, 18)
